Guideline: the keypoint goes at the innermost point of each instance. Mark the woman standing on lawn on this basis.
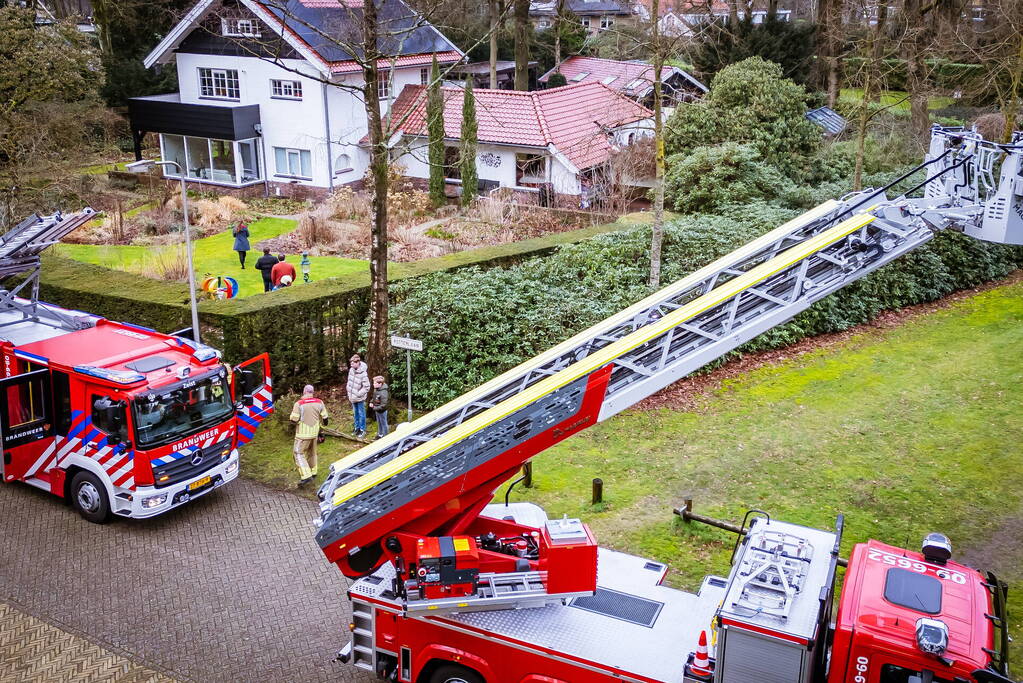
(241, 242)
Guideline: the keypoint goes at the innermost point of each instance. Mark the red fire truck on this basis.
(452, 588)
(116, 418)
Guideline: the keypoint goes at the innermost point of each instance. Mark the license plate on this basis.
(199, 483)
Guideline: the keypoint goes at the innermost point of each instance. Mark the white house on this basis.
(270, 91)
(555, 138)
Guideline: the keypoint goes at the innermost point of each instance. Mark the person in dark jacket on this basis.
(265, 264)
(241, 242)
(381, 398)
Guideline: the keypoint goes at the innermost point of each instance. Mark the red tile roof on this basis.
(599, 70)
(405, 60)
(573, 118)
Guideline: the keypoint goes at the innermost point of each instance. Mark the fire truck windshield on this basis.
(181, 410)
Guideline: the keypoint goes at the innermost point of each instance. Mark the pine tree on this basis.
(468, 145)
(435, 131)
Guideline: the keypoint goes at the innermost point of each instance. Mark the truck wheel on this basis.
(89, 497)
(453, 673)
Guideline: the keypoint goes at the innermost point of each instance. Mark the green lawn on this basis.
(214, 256)
(896, 96)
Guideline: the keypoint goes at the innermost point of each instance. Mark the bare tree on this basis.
(495, 15)
(373, 41)
(523, 29)
(997, 44)
(657, 237)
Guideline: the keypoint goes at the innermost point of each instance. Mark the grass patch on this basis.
(214, 256)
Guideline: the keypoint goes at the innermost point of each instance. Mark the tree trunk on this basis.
(871, 87)
(559, 8)
(522, 28)
(830, 30)
(657, 236)
(377, 345)
(1010, 108)
(772, 10)
(495, 11)
(914, 45)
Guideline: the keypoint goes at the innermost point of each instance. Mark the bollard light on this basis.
(306, 265)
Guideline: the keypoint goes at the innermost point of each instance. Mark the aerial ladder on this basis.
(410, 505)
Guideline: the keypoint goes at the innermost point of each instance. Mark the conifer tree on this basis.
(468, 145)
(435, 131)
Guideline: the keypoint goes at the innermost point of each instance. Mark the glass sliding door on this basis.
(198, 150)
(248, 154)
(223, 169)
(173, 149)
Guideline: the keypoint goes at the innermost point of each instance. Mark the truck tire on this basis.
(89, 497)
(453, 673)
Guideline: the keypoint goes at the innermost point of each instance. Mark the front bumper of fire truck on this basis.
(149, 501)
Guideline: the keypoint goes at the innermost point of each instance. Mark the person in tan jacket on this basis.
(309, 414)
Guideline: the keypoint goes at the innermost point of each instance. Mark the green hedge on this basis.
(477, 324)
(308, 330)
(944, 75)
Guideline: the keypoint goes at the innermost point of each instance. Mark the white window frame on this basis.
(607, 23)
(208, 84)
(384, 79)
(240, 27)
(584, 22)
(544, 23)
(291, 153)
(424, 76)
(285, 90)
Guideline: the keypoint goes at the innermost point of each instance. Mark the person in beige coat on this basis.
(357, 389)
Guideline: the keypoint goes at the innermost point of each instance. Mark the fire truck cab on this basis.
(908, 617)
(118, 418)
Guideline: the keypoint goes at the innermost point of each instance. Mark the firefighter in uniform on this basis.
(309, 413)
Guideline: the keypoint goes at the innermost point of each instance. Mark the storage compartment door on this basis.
(253, 388)
(25, 425)
(747, 657)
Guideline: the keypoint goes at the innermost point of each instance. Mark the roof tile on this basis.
(574, 118)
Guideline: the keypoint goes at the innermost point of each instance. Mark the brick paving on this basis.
(230, 587)
(32, 650)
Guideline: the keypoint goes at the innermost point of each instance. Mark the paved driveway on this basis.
(229, 588)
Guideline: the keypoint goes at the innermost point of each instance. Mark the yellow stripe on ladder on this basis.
(601, 358)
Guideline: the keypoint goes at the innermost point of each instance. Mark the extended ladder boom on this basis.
(435, 476)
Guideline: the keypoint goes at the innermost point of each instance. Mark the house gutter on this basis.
(326, 125)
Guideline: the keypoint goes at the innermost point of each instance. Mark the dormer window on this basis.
(239, 27)
(220, 84)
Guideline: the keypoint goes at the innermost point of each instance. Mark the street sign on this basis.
(410, 345)
(406, 343)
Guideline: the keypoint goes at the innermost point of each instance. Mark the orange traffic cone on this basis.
(700, 666)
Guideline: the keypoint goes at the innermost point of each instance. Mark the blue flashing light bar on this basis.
(116, 376)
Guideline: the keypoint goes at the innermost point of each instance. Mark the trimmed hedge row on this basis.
(947, 76)
(477, 324)
(309, 330)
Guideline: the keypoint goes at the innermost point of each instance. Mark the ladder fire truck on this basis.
(114, 417)
(451, 588)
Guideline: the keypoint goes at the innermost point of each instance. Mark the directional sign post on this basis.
(409, 345)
